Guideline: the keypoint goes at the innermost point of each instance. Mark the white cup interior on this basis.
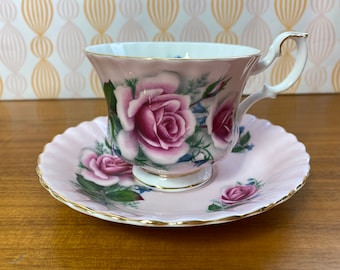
(173, 50)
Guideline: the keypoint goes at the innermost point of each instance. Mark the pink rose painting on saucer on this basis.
(240, 193)
(79, 169)
(108, 180)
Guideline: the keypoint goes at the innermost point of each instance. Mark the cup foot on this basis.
(172, 183)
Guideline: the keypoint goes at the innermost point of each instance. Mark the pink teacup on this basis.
(174, 107)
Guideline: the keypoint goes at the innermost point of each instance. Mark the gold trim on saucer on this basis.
(156, 223)
(123, 216)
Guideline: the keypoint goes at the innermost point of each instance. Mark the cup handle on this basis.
(271, 91)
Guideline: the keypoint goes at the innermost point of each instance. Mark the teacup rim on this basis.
(258, 52)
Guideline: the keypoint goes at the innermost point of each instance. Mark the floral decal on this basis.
(155, 122)
(155, 118)
(243, 144)
(106, 178)
(236, 195)
(220, 123)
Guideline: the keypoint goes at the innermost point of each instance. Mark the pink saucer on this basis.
(267, 167)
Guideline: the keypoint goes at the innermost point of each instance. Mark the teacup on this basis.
(174, 107)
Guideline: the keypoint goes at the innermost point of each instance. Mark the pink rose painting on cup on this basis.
(156, 119)
(154, 122)
(220, 122)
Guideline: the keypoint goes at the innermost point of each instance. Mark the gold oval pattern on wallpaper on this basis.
(38, 14)
(41, 46)
(336, 77)
(100, 14)
(226, 13)
(289, 12)
(42, 41)
(45, 79)
(163, 14)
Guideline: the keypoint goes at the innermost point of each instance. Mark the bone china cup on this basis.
(174, 107)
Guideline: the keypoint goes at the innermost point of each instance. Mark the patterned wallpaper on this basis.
(41, 41)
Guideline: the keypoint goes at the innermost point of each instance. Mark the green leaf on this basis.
(81, 165)
(210, 88)
(238, 149)
(113, 188)
(107, 145)
(214, 207)
(99, 148)
(132, 84)
(244, 139)
(124, 195)
(88, 185)
(111, 100)
(141, 159)
(115, 126)
(193, 85)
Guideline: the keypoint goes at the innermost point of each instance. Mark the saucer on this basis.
(267, 167)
